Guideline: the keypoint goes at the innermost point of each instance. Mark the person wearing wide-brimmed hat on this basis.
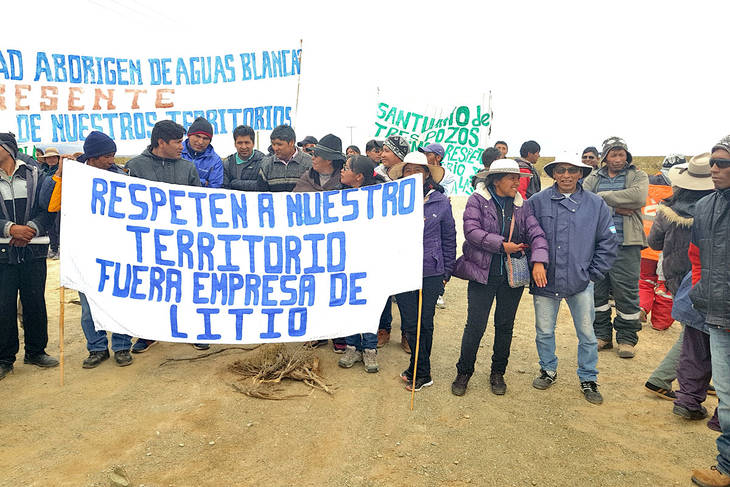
(671, 234)
(582, 242)
(497, 225)
(624, 187)
(327, 161)
(439, 254)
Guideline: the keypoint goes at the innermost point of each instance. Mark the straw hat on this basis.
(50, 152)
(695, 175)
(418, 158)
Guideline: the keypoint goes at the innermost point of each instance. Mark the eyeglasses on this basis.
(569, 170)
(721, 163)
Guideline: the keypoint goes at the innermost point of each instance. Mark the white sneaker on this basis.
(440, 303)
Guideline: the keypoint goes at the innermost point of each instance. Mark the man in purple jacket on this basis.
(583, 245)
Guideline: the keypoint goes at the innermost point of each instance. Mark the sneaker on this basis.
(41, 360)
(458, 387)
(691, 414)
(711, 477)
(496, 380)
(52, 254)
(544, 380)
(350, 358)
(406, 376)
(440, 303)
(590, 392)
(605, 344)
(201, 346)
(142, 345)
(339, 346)
(383, 338)
(625, 350)
(123, 358)
(663, 393)
(5, 369)
(404, 344)
(370, 359)
(421, 382)
(95, 359)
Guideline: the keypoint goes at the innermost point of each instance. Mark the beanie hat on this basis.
(97, 144)
(201, 126)
(7, 142)
(615, 143)
(723, 144)
(673, 160)
(398, 145)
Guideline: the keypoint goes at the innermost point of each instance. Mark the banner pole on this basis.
(60, 327)
(299, 82)
(418, 343)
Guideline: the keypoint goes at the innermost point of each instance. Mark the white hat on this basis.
(567, 158)
(419, 159)
(506, 166)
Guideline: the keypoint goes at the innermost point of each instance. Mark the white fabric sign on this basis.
(187, 264)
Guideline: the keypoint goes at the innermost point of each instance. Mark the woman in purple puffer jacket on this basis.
(489, 212)
(439, 254)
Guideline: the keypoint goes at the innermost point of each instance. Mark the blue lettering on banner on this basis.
(208, 334)
(271, 314)
(173, 324)
(238, 313)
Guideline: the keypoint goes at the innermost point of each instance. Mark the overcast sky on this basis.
(567, 74)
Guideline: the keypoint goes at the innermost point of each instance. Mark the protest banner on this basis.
(188, 264)
(49, 97)
(460, 129)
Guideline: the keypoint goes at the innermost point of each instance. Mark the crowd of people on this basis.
(583, 239)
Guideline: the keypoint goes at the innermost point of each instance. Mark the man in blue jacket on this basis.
(582, 244)
(198, 150)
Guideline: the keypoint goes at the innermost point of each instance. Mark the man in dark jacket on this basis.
(624, 188)
(161, 162)
(582, 243)
(241, 169)
(709, 252)
(529, 155)
(23, 219)
(198, 150)
(281, 171)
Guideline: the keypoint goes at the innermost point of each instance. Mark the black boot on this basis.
(458, 387)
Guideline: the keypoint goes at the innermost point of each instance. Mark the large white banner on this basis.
(54, 97)
(188, 264)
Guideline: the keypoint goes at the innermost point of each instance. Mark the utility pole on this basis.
(351, 127)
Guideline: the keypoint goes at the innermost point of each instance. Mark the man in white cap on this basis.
(582, 243)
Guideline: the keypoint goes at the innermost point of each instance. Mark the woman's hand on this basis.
(511, 247)
(539, 275)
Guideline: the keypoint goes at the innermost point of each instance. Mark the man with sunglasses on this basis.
(709, 252)
(582, 247)
(624, 188)
(590, 157)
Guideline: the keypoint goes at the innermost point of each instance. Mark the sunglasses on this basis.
(721, 163)
(569, 170)
(309, 150)
(590, 157)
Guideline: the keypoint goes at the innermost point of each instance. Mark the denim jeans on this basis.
(96, 341)
(408, 305)
(363, 341)
(386, 317)
(479, 302)
(720, 350)
(581, 309)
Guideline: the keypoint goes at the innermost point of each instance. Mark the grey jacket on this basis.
(153, 168)
(632, 197)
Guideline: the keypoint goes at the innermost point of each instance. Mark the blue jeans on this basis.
(581, 309)
(363, 341)
(720, 351)
(96, 341)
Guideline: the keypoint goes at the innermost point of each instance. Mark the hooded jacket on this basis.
(208, 164)
(310, 181)
(581, 238)
(21, 204)
(632, 197)
(439, 236)
(154, 168)
(709, 252)
(484, 239)
(242, 177)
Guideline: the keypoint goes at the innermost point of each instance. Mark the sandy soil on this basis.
(182, 424)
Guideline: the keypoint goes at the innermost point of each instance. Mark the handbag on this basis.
(518, 269)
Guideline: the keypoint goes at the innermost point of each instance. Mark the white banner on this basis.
(50, 97)
(186, 264)
(462, 131)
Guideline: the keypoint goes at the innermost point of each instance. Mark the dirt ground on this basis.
(182, 424)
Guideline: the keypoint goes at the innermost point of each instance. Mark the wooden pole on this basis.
(62, 293)
(299, 81)
(418, 343)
